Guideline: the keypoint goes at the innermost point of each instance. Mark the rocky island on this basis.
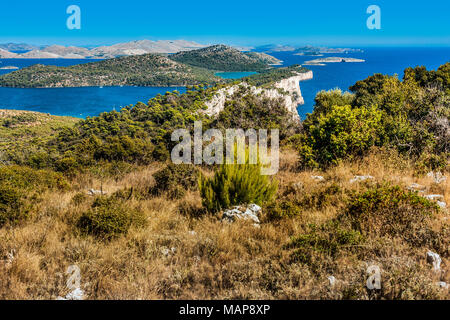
(181, 69)
(321, 61)
(9, 68)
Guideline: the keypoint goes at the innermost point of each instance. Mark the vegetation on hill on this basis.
(224, 58)
(151, 232)
(270, 76)
(181, 69)
(141, 70)
(411, 116)
(24, 135)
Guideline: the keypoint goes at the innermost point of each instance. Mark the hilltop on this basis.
(141, 70)
(101, 52)
(26, 132)
(4, 54)
(186, 68)
(225, 58)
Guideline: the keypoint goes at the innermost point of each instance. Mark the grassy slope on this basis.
(22, 131)
(236, 261)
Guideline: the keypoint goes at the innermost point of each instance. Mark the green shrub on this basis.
(174, 180)
(391, 211)
(19, 119)
(279, 209)
(326, 239)
(329, 195)
(79, 198)
(21, 188)
(13, 208)
(339, 134)
(109, 217)
(236, 184)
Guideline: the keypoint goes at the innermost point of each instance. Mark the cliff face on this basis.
(288, 90)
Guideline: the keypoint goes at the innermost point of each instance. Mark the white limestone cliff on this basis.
(288, 90)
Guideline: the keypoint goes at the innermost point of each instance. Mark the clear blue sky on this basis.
(240, 22)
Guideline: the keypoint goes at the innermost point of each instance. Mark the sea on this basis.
(91, 101)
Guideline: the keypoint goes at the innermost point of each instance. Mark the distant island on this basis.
(305, 50)
(225, 58)
(321, 61)
(9, 68)
(181, 69)
(102, 52)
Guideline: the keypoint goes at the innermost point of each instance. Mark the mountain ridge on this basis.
(141, 70)
(101, 52)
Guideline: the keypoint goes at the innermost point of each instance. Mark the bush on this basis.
(391, 211)
(20, 188)
(282, 209)
(342, 133)
(329, 195)
(13, 208)
(236, 184)
(326, 239)
(174, 180)
(109, 218)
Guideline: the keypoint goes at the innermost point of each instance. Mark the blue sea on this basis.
(90, 101)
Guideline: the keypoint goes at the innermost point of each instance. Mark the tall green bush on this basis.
(235, 184)
(343, 132)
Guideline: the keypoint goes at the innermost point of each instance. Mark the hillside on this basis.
(181, 69)
(25, 133)
(224, 58)
(362, 185)
(101, 52)
(142, 47)
(141, 70)
(4, 54)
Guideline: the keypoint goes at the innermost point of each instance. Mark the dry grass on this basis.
(211, 259)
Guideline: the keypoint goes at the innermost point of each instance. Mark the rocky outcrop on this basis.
(287, 89)
(7, 55)
(361, 178)
(242, 212)
(37, 54)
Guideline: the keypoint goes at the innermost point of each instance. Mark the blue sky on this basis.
(243, 22)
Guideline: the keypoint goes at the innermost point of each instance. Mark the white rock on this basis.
(434, 259)
(441, 204)
(361, 178)
(93, 192)
(318, 178)
(416, 186)
(165, 252)
(443, 285)
(255, 208)
(291, 96)
(438, 177)
(250, 213)
(434, 196)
